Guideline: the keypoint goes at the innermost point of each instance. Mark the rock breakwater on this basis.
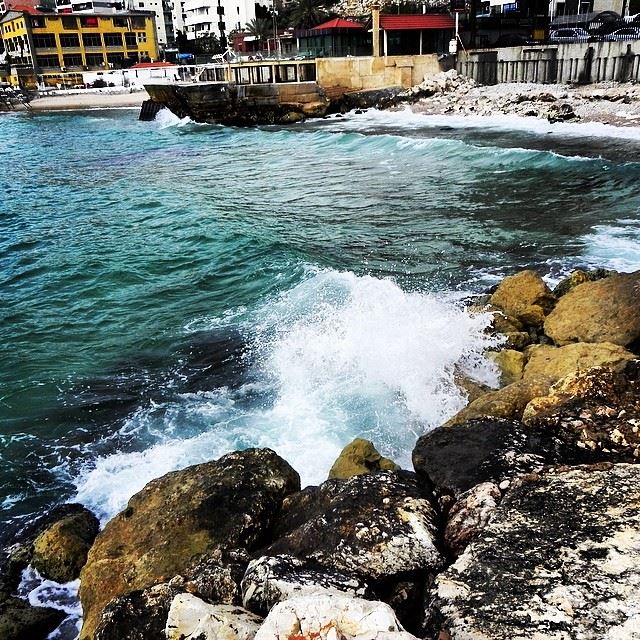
(519, 518)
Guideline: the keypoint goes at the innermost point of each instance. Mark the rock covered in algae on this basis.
(229, 503)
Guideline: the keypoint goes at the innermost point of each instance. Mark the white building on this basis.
(165, 27)
(213, 17)
(90, 6)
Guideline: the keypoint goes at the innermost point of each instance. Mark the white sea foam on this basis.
(40, 592)
(166, 118)
(336, 357)
(502, 122)
(615, 246)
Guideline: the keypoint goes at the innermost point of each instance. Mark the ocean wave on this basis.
(335, 357)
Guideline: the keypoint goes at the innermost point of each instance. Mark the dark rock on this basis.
(60, 551)
(20, 621)
(272, 579)
(560, 558)
(561, 113)
(379, 526)
(229, 503)
(456, 459)
(139, 615)
(216, 577)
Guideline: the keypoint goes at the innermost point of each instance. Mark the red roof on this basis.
(23, 8)
(407, 21)
(338, 23)
(152, 65)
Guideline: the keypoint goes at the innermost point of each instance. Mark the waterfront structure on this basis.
(337, 37)
(45, 45)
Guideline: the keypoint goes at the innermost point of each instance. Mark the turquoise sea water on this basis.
(172, 291)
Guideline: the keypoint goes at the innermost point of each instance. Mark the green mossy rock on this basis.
(175, 519)
(508, 402)
(558, 362)
(526, 297)
(60, 552)
(360, 456)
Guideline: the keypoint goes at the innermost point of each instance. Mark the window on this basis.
(115, 59)
(130, 40)
(69, 23)
(91, 40)
(72, 60)
(44, 41)
(138, 23)
(95, 60)
(48, 61)
(38, 22)
(69, 40)
(112, 40)
(142, 37)
(120, 22)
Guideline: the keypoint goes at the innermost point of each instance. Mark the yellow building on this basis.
(56, 47)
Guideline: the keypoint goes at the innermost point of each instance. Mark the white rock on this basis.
(190, 617)
(331, 616)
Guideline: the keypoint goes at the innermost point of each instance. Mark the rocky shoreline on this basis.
(519, 519)
(449, 93)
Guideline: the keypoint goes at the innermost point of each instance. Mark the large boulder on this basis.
(560, 558)
(558, 362)
(20, 621)
(510, 363)
(229, 503)
(524, 296)
(138, 615)
(508, 403)
(329, 617)
(360, 456)
(378, 526)
(607, 310)
(597, 411)
(456, 459)
(190, 617)
(272, 579)
(579, 277)
(60, 551)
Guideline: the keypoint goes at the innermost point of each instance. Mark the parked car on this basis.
(626, 33)
(575, 34)
(512, 40)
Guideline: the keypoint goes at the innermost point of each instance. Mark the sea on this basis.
(172, 291)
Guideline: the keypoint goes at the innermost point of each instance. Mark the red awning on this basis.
(408, 22)
(338, 23)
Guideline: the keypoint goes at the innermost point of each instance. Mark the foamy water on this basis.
(339, 356)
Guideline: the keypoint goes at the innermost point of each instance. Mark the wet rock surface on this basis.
(272, 579)
(139, 615)
(231, 502)
(21, 621)
(378, 526)
(560, 558)
(456, 459)
(216, 577)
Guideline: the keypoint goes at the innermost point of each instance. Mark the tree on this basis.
(260, 28)
(307, 13)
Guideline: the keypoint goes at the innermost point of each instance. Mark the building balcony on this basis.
(200, 22)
